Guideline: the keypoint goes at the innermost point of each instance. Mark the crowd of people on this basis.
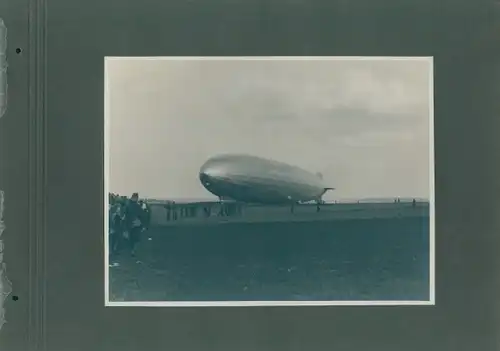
(128, 219)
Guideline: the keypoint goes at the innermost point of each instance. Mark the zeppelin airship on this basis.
(252, 179)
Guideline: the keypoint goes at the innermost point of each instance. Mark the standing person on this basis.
(116, 227)
(174, 210)
(134, 217)
(169, 212)
(112, 234)
(147, 215)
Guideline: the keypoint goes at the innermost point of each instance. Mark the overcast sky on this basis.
(364, 124)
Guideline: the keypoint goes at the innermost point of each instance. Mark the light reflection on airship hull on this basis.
(257, 180)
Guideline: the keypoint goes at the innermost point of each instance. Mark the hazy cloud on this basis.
(363, 123)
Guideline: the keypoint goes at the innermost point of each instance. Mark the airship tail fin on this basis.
(326, 190)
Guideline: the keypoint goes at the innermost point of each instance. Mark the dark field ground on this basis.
(359, 259)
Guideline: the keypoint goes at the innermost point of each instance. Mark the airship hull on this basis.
(257, 180)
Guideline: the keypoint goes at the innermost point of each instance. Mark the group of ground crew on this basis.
(128, 219)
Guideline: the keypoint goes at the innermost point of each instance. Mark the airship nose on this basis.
(209, 175)
(205, 178)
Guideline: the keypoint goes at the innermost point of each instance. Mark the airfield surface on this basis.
(350, 252)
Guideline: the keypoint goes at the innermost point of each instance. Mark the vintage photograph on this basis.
(268, 181)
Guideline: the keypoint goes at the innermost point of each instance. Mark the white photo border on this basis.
(432, 297)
